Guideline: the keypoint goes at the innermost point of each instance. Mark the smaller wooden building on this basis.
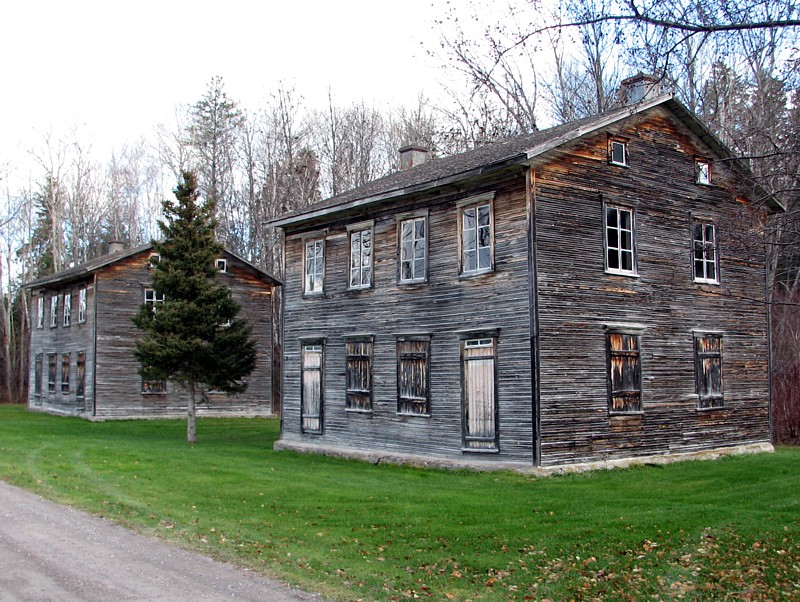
(83, 337)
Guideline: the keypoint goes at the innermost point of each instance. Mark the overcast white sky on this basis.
(115, 69)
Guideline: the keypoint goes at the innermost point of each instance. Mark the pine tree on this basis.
(194, 337)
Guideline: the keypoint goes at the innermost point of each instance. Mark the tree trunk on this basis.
(191, 427)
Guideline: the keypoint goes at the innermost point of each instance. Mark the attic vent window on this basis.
(222, 265)
(618, 152)
(702, 171)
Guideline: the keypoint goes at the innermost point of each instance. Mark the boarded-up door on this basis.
(480, 398)
(311, 395)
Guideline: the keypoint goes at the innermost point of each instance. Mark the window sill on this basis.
(618, 273)
(614, 414)
(147, 393)
(411, 283)
(355, 411)
(468, 275)
(616, 164)
(408, 415)
(359, 289)
(710, 409)
(477, 450)
(316, 295)
(708, 282)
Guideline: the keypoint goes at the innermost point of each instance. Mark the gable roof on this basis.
(494, 157)
(87, 268)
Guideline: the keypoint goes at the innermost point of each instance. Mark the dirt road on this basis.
(51, 552)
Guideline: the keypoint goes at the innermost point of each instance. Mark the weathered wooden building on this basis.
(83, 337)
(582, 294)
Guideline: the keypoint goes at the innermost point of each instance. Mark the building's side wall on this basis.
(440, 308)
(59, 340)
(120, 291)
(578, 300)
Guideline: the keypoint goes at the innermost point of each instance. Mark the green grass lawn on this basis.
(726, 529)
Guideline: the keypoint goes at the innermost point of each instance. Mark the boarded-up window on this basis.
(704, 252)
(82, 306)
(625, 373)
(361, 258)
(619, 239)
(413, 360)
(80, 375)
(476, 238)
(154, 387)
(708, 370)
(314, 266)
(413, 250)
(37, 376)
(65, 362)
(359, 375)
(479, 394)
(311, 400)
(51, 372)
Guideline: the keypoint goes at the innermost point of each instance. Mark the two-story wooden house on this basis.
(583, 294)
(83, 337)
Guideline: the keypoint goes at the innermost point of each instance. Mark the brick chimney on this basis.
(412, 155)
(638, 88)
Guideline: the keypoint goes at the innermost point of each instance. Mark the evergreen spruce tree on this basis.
(194, 337)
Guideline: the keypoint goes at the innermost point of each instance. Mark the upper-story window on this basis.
(314, 266)
(53, 311)
(152, 298)
(619, 240)
(702, 171)
(476, 230)
(40, 312)
(153, 260)
(704, 252)
(82, 305)
(617, 151)
(361, 252)
(221, 264)
(414, 250)
(67, 309)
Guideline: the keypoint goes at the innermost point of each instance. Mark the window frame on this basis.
(705, 248)
(615, 391)
(221, 264)
(623, 143)
(360, 229)
(316, 345)
(54, 310)
(80, 375)
(40, 312)
(404, 359)
(153, 299)
(475, 203)
(702, 172)
(52, 373)
(66, 366)
(152, 260)
(482, 340)
(67, 313)
(352, 356)
(315, 276)
(38, 369)
(413, 219)
(618, 249)
(82, 295)
(703, 358)
(153, 387)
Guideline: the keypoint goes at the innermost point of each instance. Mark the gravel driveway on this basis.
(52, 552)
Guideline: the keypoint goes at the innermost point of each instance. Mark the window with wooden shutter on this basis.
(359, 375)
(65, 364)
(624, 373)
(51, 372)
(80, 375)
(312, 394)
(708, 370)
(413, 363)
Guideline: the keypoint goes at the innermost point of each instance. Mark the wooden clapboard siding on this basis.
(577, 299)
(440, 308)
(113, 385)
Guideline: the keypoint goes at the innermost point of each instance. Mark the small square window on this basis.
(702, 171)
(222, 265)
(618, 152)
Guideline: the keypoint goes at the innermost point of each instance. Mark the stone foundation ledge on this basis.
(385, 457)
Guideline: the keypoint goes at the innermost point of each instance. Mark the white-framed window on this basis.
(413, 376)
(53, 311)
(704, 252)
(67, 309)
(624, 372)
(360, 274)
(702, 171)
(479, 393)
(153, 299)
(620, 241)
(413, 250)
(359, 374)
(314, 266)
(222, 264)
(312, 394)
(40, 312)
(476, 232)
(153, 260)
(708, 370)
(82, 305)
(617, 151)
